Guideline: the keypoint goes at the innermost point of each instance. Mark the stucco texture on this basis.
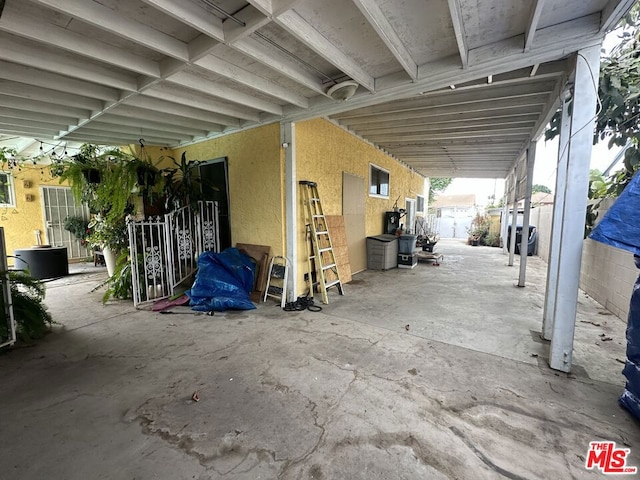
(323, 152)
(256, 178)
(20, 222)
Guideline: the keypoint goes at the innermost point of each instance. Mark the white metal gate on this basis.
(164, 249)
(58, 204)
(7, 325)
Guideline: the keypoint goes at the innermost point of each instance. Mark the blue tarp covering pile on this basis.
(223, 282)
(620, 228)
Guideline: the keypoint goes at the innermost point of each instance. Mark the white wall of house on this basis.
(607, 273)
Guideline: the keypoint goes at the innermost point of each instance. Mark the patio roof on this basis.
(113, 71)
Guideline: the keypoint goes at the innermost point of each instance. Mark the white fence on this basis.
(607, 274)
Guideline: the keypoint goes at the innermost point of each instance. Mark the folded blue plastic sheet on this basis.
(620, 227)
(223, 282)
(630, 398)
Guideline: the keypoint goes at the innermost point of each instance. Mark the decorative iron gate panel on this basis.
(164, 250)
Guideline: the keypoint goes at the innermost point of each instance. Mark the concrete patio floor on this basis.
(435, 372)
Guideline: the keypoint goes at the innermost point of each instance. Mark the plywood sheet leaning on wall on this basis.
(338, 234)
(260, 254)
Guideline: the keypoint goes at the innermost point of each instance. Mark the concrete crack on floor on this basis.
(486, 460)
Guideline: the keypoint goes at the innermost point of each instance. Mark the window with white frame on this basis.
(7, 193)
(378, 181)
(419, 204)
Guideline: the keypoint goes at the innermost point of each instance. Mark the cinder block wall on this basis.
(607, 273)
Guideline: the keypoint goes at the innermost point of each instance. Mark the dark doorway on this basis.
(214, 176)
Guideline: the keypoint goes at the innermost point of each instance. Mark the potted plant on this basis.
(182, 185)
(110, 236)
(27, 297)
(78, 227)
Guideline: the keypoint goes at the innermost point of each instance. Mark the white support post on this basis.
(574, 208)
(524, 240)
(514, 217)
(288, 135)
(504, 224)
(558, 206)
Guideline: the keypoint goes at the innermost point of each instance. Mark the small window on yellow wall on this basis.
(7, 193)
(419, 204)
(378, 181)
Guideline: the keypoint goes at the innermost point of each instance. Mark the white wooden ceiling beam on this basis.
(532, 23)
(123, 26)
(477, 97)
(199, 84)
(13, 22)
(613, 11)
(244, 77)
(36, 116)
(556, 38)
(28, 132)
(152, 115)
(192, 14)
(455, 12)
(133, 137)
(14, 51)
(39, 78)
(42, 107)
(140, 130)
(272, 8)
(165, 92)
(163, 106)
(459, 119)
(112, 140)
(252, 18)
(22, 122)
(22, 90)
(121, 121)
(529, 105)
(520, 133)
(384, 29)
(465, 126)
(199, 47)
(304, 32)
(282, 63)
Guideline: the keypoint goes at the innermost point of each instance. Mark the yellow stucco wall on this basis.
(20, 222)
(256, 178)
(323, 152)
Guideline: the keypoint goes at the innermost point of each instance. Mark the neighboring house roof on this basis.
(539, 199)
(442, 201)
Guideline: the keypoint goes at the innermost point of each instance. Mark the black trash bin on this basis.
(533, 239)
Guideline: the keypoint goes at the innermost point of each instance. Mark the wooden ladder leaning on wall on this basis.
(322, 259)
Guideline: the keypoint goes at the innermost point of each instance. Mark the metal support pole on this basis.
(524, 240)
(558, 206)
(504, 221)
(288, 135)
(575, 207)
(514, 217)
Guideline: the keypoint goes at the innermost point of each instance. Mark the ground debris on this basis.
(407, 327)
(591, 322)
(619, 360)
(605, 338)
(195, 397)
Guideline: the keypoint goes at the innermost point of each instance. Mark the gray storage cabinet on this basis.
(382, 252)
